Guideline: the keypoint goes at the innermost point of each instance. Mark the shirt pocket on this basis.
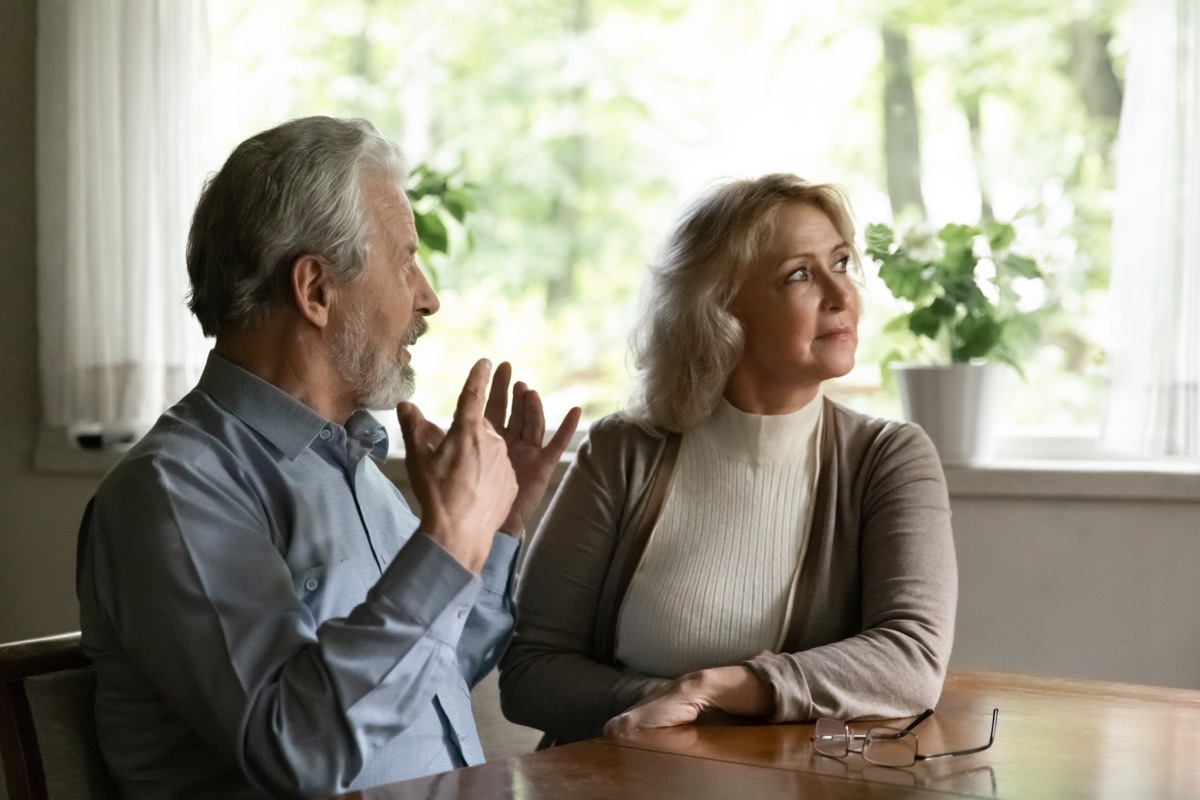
(310, 586)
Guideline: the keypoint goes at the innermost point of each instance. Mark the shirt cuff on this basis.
(428, 584)
(498, 568)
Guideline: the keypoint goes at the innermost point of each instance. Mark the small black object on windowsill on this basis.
(105, 440)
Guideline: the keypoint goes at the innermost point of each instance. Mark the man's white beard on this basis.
(380, 379)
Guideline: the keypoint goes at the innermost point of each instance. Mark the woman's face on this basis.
(798, 308)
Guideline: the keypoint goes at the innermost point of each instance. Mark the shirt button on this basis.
(311, 584)
(462, 612)
(324, 434)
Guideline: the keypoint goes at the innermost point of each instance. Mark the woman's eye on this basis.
(842, 265)
(800, 274)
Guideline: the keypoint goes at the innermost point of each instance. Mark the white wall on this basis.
(1098, 588)
(1102, 587)
(38, 514)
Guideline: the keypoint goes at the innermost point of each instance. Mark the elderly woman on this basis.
(735, 540)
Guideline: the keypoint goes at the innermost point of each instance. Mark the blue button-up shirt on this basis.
(263, 614)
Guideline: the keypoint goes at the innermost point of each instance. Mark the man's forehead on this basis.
(387, 201)
(383, 190)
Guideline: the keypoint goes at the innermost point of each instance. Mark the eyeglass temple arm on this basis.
(926, 714)
(980, 749)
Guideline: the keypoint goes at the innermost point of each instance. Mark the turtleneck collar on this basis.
(761, 438)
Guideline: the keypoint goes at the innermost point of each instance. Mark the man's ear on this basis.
(312, 291)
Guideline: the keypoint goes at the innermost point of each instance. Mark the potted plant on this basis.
(962, 322)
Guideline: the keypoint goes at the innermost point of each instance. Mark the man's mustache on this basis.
(416, 331)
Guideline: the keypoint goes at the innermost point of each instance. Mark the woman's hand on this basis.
(734, 690)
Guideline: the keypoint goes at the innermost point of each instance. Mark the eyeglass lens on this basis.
(890, 747)
(831, 738)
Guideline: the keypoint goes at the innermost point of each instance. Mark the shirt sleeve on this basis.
(489, 625)
(185, 569)
(906, 576)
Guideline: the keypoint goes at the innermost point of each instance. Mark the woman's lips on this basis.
(844, 332)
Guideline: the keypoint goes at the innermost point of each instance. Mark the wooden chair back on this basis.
(48, 744)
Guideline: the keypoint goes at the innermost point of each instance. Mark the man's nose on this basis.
(425, 300)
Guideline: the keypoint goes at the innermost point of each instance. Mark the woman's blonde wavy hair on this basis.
(686, 342)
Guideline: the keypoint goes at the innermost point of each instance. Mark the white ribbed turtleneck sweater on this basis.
(714, 586)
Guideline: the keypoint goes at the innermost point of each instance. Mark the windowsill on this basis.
(55, 455)
(1058, 479)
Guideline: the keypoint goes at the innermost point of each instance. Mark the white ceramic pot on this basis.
(956, 404)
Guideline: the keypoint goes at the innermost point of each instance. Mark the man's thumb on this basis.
(412, 421)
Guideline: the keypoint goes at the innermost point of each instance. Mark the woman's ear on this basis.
(312, 291)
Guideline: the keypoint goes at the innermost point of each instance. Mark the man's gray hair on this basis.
(290, 191)
(686, 342)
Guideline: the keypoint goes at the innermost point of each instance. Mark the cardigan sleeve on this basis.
(549, 678)
(906, 575)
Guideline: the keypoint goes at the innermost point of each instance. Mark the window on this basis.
(584, 125)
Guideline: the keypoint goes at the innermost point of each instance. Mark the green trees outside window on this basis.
(578, 128)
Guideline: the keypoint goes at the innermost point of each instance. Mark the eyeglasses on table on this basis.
(882, 745)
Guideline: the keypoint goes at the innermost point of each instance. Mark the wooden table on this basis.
(1057, 739)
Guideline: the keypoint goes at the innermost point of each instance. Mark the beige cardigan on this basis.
(873, 619)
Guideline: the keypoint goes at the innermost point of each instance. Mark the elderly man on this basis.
(266, 615)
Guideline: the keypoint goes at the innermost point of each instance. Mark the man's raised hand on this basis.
(463, 479)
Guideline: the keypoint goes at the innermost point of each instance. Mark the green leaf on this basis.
(1020, 265)
(958, 236)
(897, 323)
(425, 181)
(431, 231)
(966, 292)
(926, 321)
(977, 336)
(888, 378)
(959, 260)
(458, 203)
(944, 309)
(903, 277)
(879, 240)
(999, 235)
(428, 267)
(1004, 353)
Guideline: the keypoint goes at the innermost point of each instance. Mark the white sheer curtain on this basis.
(119, 131)
(1154, 401)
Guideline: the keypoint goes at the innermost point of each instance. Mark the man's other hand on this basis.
(532, 461)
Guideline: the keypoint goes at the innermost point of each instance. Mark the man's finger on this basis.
(497, 402)
(471, 399)
(533, 424)
(411, 421)
(516, 423)
(562, 436)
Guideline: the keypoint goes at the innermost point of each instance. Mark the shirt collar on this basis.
(364, 427)
(276, 415)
